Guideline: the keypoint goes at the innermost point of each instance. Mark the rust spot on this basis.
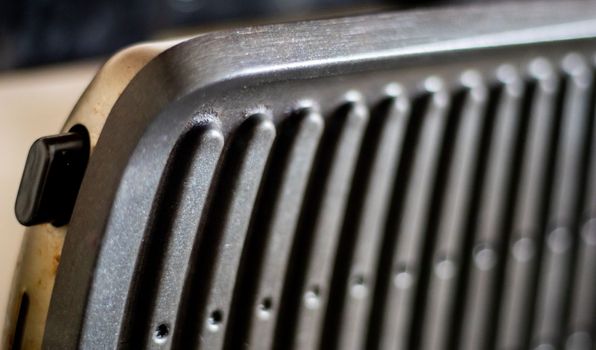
(55, 263)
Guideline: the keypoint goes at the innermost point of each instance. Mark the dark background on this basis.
(34, 32)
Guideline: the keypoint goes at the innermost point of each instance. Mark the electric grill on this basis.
(411, 180)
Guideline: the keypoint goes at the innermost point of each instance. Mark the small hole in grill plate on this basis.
(215, 320)
(485, 257)
(403, 279)
(445, 268)
(264, 308)
(524, 249)
(311, 298)
(358, 288)
(160, 335)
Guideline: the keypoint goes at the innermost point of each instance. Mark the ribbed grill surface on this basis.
(425, 215)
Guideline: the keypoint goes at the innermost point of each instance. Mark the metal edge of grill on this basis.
(293, 186)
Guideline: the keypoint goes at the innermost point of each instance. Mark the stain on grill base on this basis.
(379, 202)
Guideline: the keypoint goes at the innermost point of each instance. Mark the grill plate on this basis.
(346, 182)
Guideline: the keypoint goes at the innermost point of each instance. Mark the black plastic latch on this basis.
(52, 177)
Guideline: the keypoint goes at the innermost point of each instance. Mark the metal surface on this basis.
(245, 177)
